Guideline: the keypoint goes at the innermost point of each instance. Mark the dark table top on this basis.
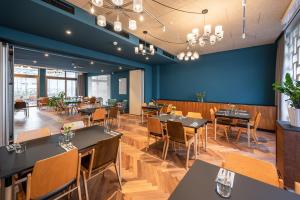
(199, 183)
(287, 126)
(186, 121)
(42, 148)
(152, 107)
(89, 111)
(239, 114)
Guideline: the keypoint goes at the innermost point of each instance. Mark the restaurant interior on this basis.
(149, 99)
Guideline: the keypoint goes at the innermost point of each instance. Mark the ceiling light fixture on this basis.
(115, 43)
(92, 62)
(92, 9)
(120, 68)
(132, 25)
(137, 6)
(147, 58)
(34, 61)
(117, 25)
(189, 54)
(101, 20)
(98, 3)
(68, 32)
(244, 19)
(119, 49)
(46, 55)
(141, 18)
(144, 48)
(118, 2)
(102, 70)
(207, 37)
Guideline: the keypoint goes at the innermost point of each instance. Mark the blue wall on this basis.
(42, 82)
(115, 85)
(238, 76)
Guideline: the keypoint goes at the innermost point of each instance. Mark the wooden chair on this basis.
(113, 115)
(297, 188)
(191, 131)
(92, 100)
(74, 125)
(178, 113)
(99, 159)
(99, 116)
(155, 130)
(56, 176)
(253, 168)
(32, 134)
(22, 106)
(220, 123)
(253, 127)
(176, 134)
(42, 101)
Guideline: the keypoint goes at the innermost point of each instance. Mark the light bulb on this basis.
(218, 30)
(92, 10)
(141, 47)
(196, 55)
(101, 20)
(141, 18)
(132, 25)
(195, 31)
(137, 6)
(207, 29)
(189, 53)
(186, 58)
(136, 50)
(201, 42)
(117, 26)
(213, 39)
(118, 2)
(98, 3)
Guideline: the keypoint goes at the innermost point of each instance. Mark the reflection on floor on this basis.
(145, 174)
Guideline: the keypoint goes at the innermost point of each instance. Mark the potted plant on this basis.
(200, 96)
(292, 90)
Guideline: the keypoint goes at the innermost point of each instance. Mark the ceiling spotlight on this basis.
(115, 43)
(92, 62)
(98, 3)
(147, 58)
(117, 25)
(137, 6)
(112, 73)
(118, 2)
(244, 36)
(141, 18)
(164, 28)
(120, 68)
(68, 32)
(119, 49)
(46, 55)
(34, 61)
(102, 70)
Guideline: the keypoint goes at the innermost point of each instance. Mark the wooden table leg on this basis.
(215, 128)
(89, 121)
(196, 143)
(205, 145)
(120, 161)
(142, 116)
(248, 133)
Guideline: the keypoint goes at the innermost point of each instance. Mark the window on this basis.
(99, 86)
(61, 81)
(122, 85)
(26, 83)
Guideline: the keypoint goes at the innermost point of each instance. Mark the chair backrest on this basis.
(74, 125)
(32, 134)
(53, 173)
(106, 152)
(99, 114)
(20, 104)
(93, 100)
(251, 167)
(178, 113)
(113, 112)
(175, 131)
(194, 115)
(257, 120)
(297, 188)
(154, 125)
(112, 102)
(212, 114)
(215, 109)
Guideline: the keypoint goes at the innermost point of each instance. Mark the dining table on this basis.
(88, 111)
(189, 122)
(234, 114)
(12, 163)
(154, 108)
(199, 183)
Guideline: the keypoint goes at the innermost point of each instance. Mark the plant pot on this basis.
(294, 115)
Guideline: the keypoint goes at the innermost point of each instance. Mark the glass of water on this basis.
(20, 148)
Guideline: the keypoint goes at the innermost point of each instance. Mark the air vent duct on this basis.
(168, 55)
(61, 5)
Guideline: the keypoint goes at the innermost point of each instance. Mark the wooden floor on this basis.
(145, 174)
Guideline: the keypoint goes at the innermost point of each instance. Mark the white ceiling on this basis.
(263, 21)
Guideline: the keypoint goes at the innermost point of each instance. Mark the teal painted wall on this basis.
(239, 76)
(42, 82)
(115, 85)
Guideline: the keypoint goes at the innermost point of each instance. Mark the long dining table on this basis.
(233, 114)
(188, 122)
(12, 163)
(199, 183)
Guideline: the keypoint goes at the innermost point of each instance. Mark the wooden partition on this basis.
(268, 118)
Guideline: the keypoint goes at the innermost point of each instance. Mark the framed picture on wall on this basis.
(122, 85)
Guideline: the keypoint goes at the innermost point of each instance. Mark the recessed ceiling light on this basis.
(112, 73)
(68, 32)
(141, 18)
(147, 58)
(115, 43)
(75, 67)
(102, 70)
(120, 68)
(92, 62)
(119, 49)
(46, 55)
(34, 61)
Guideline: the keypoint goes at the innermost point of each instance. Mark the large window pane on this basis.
(26, 89)
(55, 73)
(55, 86)
(99, 86)
(71, 74)
(71, 88)
(25, 70)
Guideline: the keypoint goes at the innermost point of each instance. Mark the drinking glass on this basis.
(20, 148)
(224, 190)
(61, 140)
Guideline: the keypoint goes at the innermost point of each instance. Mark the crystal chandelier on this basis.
(137, 7)
(144, 49)
(207, 37)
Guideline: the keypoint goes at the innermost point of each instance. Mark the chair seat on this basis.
(156, 134)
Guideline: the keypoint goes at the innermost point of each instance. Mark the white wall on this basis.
(136, 91)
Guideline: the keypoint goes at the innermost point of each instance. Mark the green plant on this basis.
(291, 89)
(200, 96)
(53, 101)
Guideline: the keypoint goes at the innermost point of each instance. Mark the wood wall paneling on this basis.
(268, 119)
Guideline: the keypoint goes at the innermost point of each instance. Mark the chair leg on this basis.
(79, 192)
(187, 156)
(166, 150)
(148, 142)
(117, 172)
(238, 135)
(254, 135)
(226, 134)
(85, 185)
